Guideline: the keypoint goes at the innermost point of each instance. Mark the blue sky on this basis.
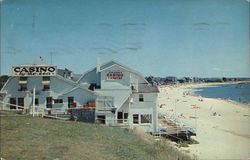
(204, 38)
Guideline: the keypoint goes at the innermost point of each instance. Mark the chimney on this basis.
(98, 65)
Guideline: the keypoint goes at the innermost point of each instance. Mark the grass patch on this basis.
(28, 138)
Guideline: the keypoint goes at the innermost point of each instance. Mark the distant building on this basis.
(171, 80)
(119, 94)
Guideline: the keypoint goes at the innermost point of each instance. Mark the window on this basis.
(20, 102)
(146, 118)
(70, 102)
(23, 87)
(13, 101)
(46, 87)
(125, 117)
(58, 101)
(46, 78)
(141, 99)
(101, 119)
(23, 78)
(49, 102)
(36, 101)
(135, 118)
(94, 86)
(120, 117)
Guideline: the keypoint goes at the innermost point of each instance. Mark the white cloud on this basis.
(216, 69)
(220, 69)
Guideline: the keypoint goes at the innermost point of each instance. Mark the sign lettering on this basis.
(115, 75)
(34, 71)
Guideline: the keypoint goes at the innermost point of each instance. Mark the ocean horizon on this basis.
(236, 92)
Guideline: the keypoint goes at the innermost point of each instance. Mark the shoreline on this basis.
(219, 122)
(192, 88)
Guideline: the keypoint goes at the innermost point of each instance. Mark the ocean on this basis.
(236, 92)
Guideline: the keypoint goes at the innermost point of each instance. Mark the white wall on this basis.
(148, 106)
(81, 96)
(123, 83)
(57, 87)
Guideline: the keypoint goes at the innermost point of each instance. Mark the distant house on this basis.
(213, 79)
(171, 80)
(118, 94)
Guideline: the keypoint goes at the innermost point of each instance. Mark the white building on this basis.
(121, 95)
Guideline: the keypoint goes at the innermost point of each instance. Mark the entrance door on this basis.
(49, 102)
(120, 117)
(70, 102)
(13, 101)
(20, 102)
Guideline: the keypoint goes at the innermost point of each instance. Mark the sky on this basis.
(197, 38)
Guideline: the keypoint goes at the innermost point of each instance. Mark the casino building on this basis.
(117, 94)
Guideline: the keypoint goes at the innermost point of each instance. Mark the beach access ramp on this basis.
(174, 129)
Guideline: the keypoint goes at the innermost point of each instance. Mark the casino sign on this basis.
(111, 75)
(34, 71)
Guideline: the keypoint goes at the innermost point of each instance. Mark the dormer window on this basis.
(94, 86)
(23, 80)
(23, 83)
(46, 83)
(141, 99)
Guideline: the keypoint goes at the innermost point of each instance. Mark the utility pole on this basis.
(196, 120)
(0, 39)
(0, 58)
(175, 107)
(34, 97)
(51, 57)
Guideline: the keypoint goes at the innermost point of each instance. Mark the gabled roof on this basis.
(80, 87)
(110, 64)
(57, 76)
(105, 65)
(76, 85)
(65, 79)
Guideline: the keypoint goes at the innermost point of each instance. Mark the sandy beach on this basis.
(222, 127)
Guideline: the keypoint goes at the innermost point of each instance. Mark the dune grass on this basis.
(29, 138)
